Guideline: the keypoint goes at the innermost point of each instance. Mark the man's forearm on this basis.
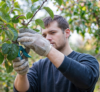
(21, 83)
(56, 57)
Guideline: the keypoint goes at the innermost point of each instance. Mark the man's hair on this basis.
(62, 23)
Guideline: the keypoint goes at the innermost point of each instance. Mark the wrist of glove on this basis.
(20, 66)
(36, 42)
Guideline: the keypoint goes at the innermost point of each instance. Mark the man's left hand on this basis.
(36, 42)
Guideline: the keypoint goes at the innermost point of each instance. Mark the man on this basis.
(64, 70)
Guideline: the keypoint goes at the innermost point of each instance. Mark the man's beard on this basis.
(61, 47)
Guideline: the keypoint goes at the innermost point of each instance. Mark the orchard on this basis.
(83, 17)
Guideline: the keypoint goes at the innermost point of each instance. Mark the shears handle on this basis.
(24, 52)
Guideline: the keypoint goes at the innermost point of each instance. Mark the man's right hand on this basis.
(21, 82)
(20, 66)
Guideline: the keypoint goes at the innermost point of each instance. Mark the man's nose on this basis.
(48, 37)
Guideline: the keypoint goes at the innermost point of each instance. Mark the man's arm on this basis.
(21, 67)
(83, 74)
(56, 57)
(21, 83)
(27, 82)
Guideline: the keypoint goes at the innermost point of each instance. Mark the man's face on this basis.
(55, 35)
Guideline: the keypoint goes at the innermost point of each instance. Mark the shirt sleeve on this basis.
(83, 73)
(32, 78)
(14, 89)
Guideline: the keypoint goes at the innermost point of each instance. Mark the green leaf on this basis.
(0, 30)
(13, 52)
(97, 50)
(89, 4)
(1, 3)
(70, 21)
(14, 31)
(1, 58)
(4, 6)
(15, 19)
(49, 11)
(59, 1)
(9, 66)
(77, 29)
(8, 84)
(17, 9)
(3, 36)
(22, 17)
(16, 4)
(6, 47)
(37, 30)
(34, 1)
(1, 22)
(4, 0)
(8, 3)
(39, 22)
(4, 15)
(34, 8)
(6, 89)
(9, 41)
(29, 15)
(9, 34)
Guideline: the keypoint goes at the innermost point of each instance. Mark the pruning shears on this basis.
(21, 49)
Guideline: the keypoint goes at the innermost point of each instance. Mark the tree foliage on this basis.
(84, 17)
(11, 16)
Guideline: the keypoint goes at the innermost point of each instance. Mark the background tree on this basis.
(83, 17)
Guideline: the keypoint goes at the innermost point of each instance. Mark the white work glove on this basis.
(22, 66)
(36, 42)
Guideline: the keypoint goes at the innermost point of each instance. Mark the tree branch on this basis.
(96, 56)
(36, 12)
(96, 18)
(19, 16)
(2, 27)
(12, 6)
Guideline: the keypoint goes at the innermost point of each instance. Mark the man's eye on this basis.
(44, 36)
(52, 32)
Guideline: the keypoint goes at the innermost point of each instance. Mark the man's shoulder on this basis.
(84, 55)
(81, 56)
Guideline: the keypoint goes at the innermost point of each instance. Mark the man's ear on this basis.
(67, 32)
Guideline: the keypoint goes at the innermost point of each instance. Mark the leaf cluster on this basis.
(11, 16)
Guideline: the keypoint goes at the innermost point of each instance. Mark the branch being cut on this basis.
(36, 12)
